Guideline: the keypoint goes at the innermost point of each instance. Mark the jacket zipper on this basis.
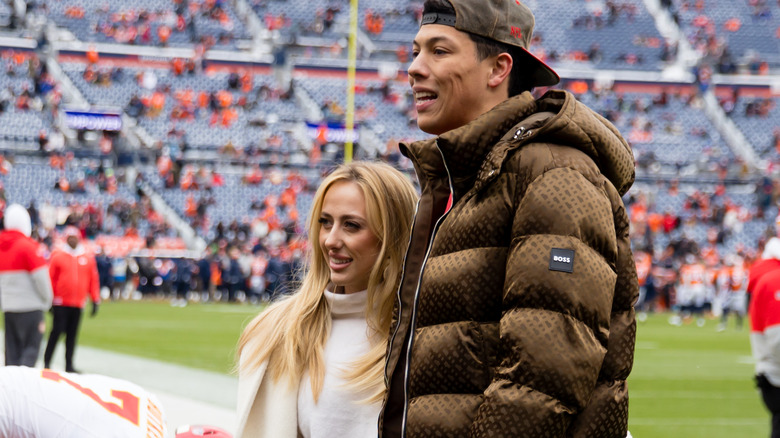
(522, 134)
(416, 298)
(398, 292)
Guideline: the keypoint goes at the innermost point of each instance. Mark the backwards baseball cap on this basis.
(506, 21)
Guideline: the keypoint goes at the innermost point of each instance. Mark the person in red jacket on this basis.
(770, 261)
(74, 275)
(765, 342)
(25, 288)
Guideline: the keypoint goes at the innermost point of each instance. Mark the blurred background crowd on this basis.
(184, 138)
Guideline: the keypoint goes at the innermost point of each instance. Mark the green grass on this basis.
(693, 381)
(687, 381)
(200, 335)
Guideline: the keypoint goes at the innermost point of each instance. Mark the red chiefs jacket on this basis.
(74, 275)
(515, 316)
(24, 276)
(770, 261)
(765, 326)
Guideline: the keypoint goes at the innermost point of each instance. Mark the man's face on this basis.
(448, 80)
(73, 241)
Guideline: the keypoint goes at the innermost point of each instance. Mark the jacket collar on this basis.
(580, 127)
(464, 149)
(567, 122)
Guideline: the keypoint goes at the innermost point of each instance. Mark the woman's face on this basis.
(349, 246)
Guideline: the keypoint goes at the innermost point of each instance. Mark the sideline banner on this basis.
(331, 132)
(94, 120)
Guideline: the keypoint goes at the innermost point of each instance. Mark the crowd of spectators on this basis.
(709, 36)
(613, 11)
(253, 256)
(184, 105)
(224, 272)
(247, 259)
(713, 209)
(645, 119)
(38, 89)
(234, 271)
(131, 25)
(666, 239)
(239, 263)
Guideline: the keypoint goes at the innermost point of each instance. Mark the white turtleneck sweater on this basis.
(337, 412)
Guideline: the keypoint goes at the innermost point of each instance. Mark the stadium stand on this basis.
(26, 89)
(606, 35)
(213, 111)
(172, 23)
(726, 31)
(229, 120)
(759, 119)
(595, 31)
(384, 106)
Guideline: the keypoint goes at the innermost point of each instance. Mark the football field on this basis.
(691, 381)
(198, 335)
(687, 381)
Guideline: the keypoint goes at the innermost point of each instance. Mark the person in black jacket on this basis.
(232, 275)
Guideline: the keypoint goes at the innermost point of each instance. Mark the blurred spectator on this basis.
(105, 275)
(765, 343)
(74, 275)
(232, 274)
(182, 281)
(25, 288)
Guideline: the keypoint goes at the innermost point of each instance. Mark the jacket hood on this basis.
(772, 249)
(566, 121)
(8, 238)
(580, 127)
(17, 218)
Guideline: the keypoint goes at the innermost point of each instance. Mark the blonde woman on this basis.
(312, 364)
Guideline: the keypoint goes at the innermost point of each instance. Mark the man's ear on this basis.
(502, 66)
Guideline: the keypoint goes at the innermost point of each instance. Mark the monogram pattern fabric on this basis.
(502, 345)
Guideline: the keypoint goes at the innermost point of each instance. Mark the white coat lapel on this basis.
(266, 409)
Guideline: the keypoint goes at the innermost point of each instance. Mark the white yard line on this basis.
(636, 421)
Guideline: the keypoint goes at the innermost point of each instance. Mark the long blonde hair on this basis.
(290, 335)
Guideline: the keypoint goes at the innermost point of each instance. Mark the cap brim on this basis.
(542, 75)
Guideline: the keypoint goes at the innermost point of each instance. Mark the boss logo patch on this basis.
(562, 260)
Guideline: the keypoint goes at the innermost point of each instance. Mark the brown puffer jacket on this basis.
(519, 300)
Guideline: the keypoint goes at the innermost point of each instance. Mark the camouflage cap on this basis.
(506, 21)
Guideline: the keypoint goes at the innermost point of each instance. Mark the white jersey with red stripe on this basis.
(644, 264)
(42, 403)
(739, 279)
(692, 287)
(732, 288)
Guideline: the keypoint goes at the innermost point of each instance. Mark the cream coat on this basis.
(266, 409)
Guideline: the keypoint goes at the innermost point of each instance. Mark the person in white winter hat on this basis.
(25, 288)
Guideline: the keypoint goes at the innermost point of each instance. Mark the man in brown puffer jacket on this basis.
(515, 313)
